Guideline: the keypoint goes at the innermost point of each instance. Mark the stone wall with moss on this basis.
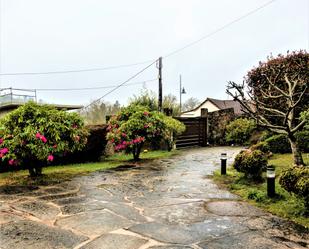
(217, 122)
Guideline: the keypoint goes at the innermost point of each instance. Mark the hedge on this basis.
(94, 149)
(280, 143)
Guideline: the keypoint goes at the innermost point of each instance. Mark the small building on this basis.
(213, 105)
(11, 99)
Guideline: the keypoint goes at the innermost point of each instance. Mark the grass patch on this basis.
(57, 174)
(284, 204)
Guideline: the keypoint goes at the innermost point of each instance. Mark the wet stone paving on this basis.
(162, 204)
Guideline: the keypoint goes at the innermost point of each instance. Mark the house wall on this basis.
(197, 113)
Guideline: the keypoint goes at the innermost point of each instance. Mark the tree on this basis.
(275, 94)
(148, 98)
(190, 104)
(33, 134)
(135, 125)
(97, 112)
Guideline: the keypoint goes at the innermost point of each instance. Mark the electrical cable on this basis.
(86, 88)
(77, 70)
(219, 29)
(144, 62)
(120, 85)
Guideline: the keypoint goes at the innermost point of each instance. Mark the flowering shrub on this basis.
(135, 125)
(33, 134)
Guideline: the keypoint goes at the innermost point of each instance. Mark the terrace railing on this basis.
(16, 96)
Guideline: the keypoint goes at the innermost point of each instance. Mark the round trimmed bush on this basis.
(296, 180)
(262, 146)
(251, 163)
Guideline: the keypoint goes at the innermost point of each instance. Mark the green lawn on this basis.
(55, 174)
(284, 205)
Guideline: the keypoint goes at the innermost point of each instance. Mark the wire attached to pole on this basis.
(120, 85)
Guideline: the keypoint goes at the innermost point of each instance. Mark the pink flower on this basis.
(1, 140)
(124, 135)
(4, 151)
(50, 158)
(11, 162)
(77, 138)
(43, 139)
(146, 113)
(55, 146)
(146, 126)
(38, 135)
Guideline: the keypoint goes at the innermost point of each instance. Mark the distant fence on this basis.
(195, 133)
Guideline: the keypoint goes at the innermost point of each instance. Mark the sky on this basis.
(61, 35)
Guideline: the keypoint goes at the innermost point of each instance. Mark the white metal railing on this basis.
(16, 96)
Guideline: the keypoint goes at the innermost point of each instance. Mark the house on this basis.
(213, 105)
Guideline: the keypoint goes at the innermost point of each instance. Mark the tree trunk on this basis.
(35, 169)
(136, 151)
(297, 155)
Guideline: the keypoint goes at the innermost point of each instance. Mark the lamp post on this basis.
(271, 176)
(181, 91)
(223, 163)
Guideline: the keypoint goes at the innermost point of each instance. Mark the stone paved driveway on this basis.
(164, 204)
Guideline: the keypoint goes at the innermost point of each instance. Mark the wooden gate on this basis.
(195, 133)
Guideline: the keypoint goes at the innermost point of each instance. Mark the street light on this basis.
(181, 91)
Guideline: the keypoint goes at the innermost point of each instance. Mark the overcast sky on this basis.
(56, 35)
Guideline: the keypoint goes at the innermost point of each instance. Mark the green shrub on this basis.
(262, 146)
(296, 180)
(279, 144)
(135, 125)
(251, 163)
(33, 135)
(303, 140)
(239, 131)
(93, 150)
(265, 135)
(258, 196)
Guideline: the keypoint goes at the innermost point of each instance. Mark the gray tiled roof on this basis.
(225, 104)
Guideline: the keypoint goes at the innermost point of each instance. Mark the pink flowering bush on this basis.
(135, 125)
(34, 134)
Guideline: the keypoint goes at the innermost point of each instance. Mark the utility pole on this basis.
(160, 84)
(180, 93)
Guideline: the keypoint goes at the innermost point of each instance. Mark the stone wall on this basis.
(217, 122)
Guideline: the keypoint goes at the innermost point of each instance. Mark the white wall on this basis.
(197, 113)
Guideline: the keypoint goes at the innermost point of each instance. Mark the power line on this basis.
(144, 62)
(120, 85)
(88, 88)
(77, 70)
(219, 29)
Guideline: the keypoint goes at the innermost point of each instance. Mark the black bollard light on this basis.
(223, 163)
(271, 176)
